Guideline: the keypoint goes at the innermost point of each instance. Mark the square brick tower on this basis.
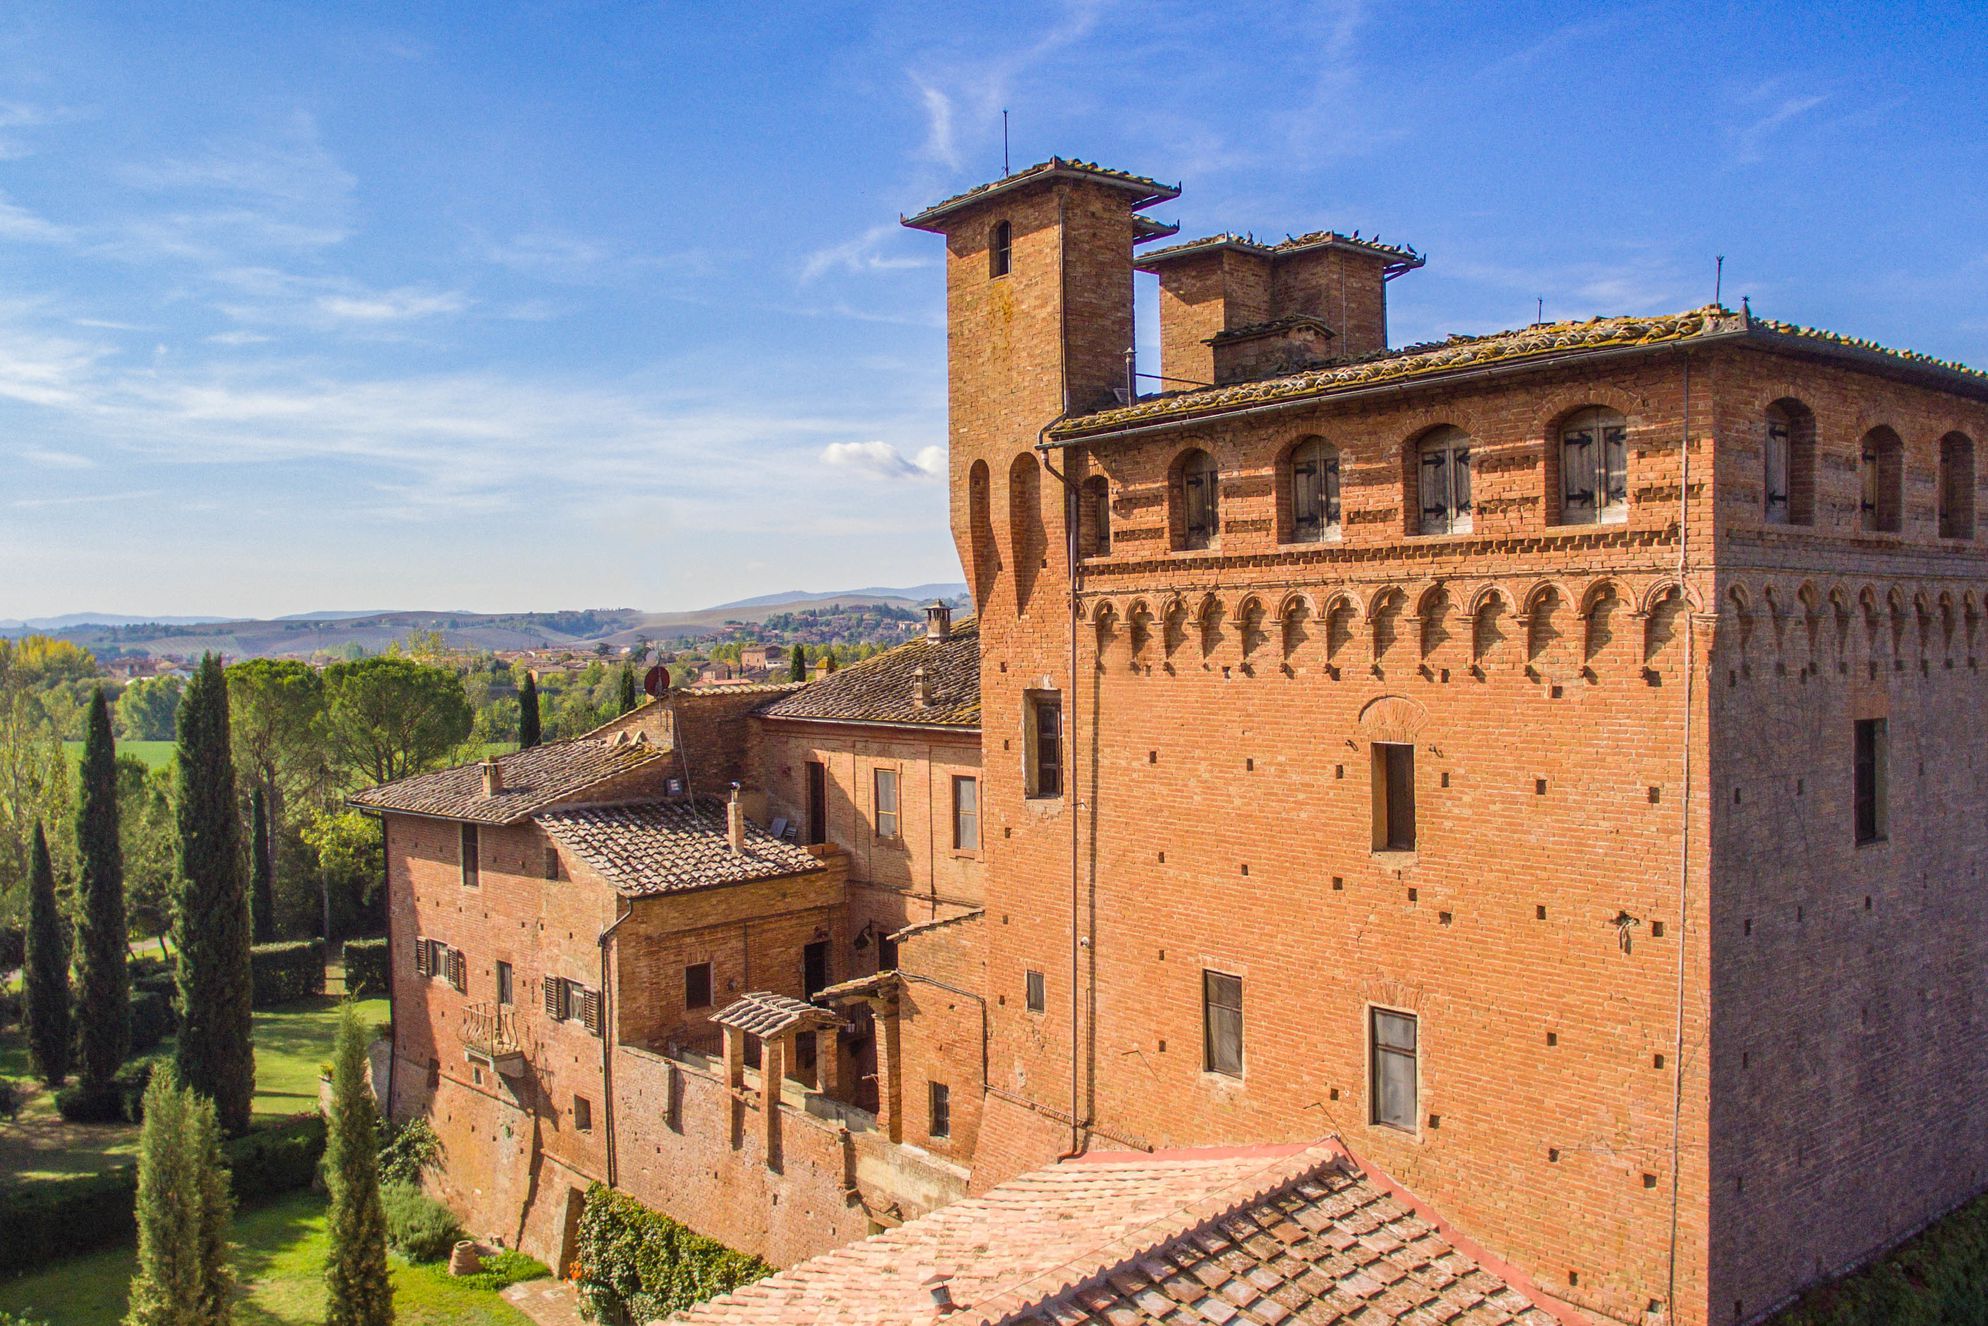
(1547, 761)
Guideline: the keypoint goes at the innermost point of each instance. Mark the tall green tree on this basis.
(183, 1210)
(273, 709)
(34, 773)
(103, 985)
(392, 716)
(46, 987)
(797, 665)
(528, 729)
(625, 690)
(359, 1292)
(216, 1056)
(262, 869)
(151, 845)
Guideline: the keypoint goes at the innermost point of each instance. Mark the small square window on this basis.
(1037, 993)
(583, 1114)
(697, 985)
(942, 1110)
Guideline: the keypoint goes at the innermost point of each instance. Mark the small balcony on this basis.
(490, 1036)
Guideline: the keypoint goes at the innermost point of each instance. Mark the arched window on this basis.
(1788, 465)
(1442, 482)
(1094, 519)
(1881, 465)
(1000, 249)
(1594, 468)
(1312, 479)
(1956, 486)
(1199, 501)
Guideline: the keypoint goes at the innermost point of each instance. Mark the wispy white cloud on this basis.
(1772, 109)
(884, 460)
(868, 252)
(392, 305)
(939, 145)
(83, 499)
(56, 460)
(17, 223)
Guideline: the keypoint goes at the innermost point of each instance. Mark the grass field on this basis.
(291, 1043)
(279, 1263)
(154, 753)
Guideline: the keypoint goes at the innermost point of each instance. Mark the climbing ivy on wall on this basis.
(639, 1265)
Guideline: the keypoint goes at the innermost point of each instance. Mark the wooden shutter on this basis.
(458, 970)
(555, 1001)
(590, 1010)
(424, 964)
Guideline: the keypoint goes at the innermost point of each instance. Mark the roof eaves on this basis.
(1400, 257)
(1146, 191)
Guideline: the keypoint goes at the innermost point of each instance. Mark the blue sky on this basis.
(556, 305)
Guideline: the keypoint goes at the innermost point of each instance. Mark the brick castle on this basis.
(1489, 826)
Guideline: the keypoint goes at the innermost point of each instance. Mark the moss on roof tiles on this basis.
(1404, 254)
(881, 689)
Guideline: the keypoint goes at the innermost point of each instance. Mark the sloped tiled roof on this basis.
(1548, 342)
(766, 1014)
(1146, 192)
(880, 689)
(1400, 255)
(533, 779)
(652, 847)
(1249, 1237)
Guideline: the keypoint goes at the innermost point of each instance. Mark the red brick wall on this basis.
(942, 1012)
(1346, 289)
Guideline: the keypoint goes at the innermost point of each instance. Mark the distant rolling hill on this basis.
(303, 635)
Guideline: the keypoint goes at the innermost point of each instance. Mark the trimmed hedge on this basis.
(640, 1265)
(365, 968)
(120, 1102)
(51, 1219)
(286, 972)
(153, 1018)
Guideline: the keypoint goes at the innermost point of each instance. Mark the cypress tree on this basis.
(183, 1210)
(359, 1292)
(262, 869)
(46, 984)
(103, 985)
(797, 665)
(216, 1056)
(528, 713)
(626, 691)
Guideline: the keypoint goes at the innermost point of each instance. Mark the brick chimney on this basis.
(938, 620)
(735, 823)
(921, 687)
(493, 776)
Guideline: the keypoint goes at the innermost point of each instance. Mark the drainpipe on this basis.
(607, 1038)
(1071, 512)
(1684, 834)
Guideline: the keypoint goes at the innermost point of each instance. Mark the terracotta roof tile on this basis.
(653, 847)
(884, 689)
(1146, 190)
(532, 780)
(1403, 255)
(763, 1013)
(1136, 1240)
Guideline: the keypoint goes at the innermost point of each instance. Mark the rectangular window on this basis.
(814, 968)
(469, 861)
(1045, 744)
(942, 1110)
(1393, 1068)
(552, 862)
(1394, 797)
(1222, 1023)
(504, 983)
(1776, 499)
(966, 814)
(1870, 780)
(583, 1114)
(817, 802)
(886, 803)
(1037, 994)
(697, 985)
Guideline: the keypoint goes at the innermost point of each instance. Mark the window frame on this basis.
(506, 982)
(886, 823)
(553, 870)
(1199, 482)
(1413, 1054)
(690, 1005)
(963, 817)
(1318, 472)
(1455, 512)
(1779, 442)
(1870, 778)
(1601, 506)
(1044, 779)
(1211, 980)
(1094, 515)
(1881, 481)
(1387, 784)
(1000, 249)
(1035, 991)
(469, 855)
(1955, 486)
(583, 1114)
(938, 1110)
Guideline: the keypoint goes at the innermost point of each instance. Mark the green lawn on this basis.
(156, 754)
(279, 1261)
(291, 1044)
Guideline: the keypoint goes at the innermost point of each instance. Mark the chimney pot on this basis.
(735, 823)
(921, 687)
(493, 777)
(938, 620)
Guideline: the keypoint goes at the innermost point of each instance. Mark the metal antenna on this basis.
(1004, 142)
(1719, 278)
(1539, 312)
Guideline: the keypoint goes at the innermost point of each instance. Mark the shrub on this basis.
(152, 1020)
(13, 947)
(10, 1007)
(119, 1101)
(637, 1264)
(51, 1219)
(13, 1319)
(500, 1271)
(365, 968)
(406, 1149)
(419, 1228)
(284, 973)
(11, 1101)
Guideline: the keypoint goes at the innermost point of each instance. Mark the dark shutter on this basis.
(424, 964)
(458, 970)
(590, 1010)
(555, 998)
